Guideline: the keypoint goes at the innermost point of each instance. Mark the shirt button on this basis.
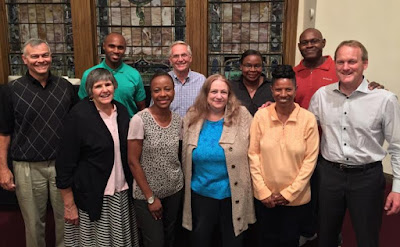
(344, 128)
(230, 149)
(347, 158)
(233, 166)
(239, 218)
(345, 144)
(345, 113)
(237, 201)
(236, 183)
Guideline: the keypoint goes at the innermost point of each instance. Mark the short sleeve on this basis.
(140, 92)
(136, 128)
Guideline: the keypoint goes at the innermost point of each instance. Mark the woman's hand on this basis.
(71, 214)
(156, 209)
(279, 199)
(269, 202)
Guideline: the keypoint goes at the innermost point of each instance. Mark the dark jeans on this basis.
(359, 191)
(279, 226)
(159, 233)
(210, 215)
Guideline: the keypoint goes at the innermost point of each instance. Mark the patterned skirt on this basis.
(116, 226)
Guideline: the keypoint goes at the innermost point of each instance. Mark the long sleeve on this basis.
(261, 191)
(68, 153)
(307, 168)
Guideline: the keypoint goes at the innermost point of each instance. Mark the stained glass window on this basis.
(46, 19)
(149, 28)
(236, 26)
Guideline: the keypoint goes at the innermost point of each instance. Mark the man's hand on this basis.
(269, 202)
(372, 85)
(392, 205)
(156, 209)
(7, 179)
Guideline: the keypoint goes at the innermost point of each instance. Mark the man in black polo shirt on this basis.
(32, 111)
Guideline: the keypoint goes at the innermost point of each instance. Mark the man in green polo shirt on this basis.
(130, 91)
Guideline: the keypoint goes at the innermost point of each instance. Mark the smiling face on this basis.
(349, 65)
(162, 91)
(180, 58)
(251, 68)
(37, 59)
(114, 47)
(283, 91)
(218, 96)
(311, 44)
(102, 93)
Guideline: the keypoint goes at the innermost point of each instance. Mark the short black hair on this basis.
(284, 71)
(161, 73)
(249, 53)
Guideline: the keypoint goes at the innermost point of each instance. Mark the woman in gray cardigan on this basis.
(218, 193)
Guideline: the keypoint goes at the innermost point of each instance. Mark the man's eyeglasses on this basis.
(311, 41)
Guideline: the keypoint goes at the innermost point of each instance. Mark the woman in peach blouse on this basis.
(283, 152)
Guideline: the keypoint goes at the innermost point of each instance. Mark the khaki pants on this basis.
(35, 181)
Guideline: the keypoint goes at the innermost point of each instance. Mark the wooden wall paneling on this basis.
(4, 48)
(197, 33)
(290, 31)
(84, 34)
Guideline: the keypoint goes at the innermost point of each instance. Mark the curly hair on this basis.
(283, 71)
(200, 108)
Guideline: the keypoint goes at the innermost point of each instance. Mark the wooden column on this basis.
(290, 31)
(84, 34)
(197, 33)
(4, 47)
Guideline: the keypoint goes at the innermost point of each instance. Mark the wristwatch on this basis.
(150, 200)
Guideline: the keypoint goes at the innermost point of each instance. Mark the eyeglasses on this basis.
(176, 56)
(311, 41)
(255, 66)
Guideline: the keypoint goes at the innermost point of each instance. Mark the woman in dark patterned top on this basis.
(153, 144)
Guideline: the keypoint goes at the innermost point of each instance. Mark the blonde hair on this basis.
(200, 108)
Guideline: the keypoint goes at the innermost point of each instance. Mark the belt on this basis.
(353, 168)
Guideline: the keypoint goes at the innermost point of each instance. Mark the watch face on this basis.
(150, 200)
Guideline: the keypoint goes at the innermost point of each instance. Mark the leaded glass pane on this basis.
(236, 26)
(149, 27)
(45, 19)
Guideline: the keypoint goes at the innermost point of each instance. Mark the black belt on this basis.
(353, 168)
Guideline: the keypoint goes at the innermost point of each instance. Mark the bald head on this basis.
(315, 32)
(114, 46)
(311, 43)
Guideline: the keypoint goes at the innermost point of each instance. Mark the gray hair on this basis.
(354, 43)
(34, 42)
(97, 75)
(180, 42)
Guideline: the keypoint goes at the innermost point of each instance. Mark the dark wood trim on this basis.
(84, 34)
(290, 31)
(4, 47)
(197, 33)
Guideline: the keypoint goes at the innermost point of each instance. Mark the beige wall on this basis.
(376, 24)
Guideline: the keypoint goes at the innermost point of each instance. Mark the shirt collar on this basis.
(36, 82)
(362, 88)
(187, 77)
(292, 117)
(324, 66)
(117, 70)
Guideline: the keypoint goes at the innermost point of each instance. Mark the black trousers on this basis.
(359, 191)
(279, 226)
(211, 215)
(159, 233)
